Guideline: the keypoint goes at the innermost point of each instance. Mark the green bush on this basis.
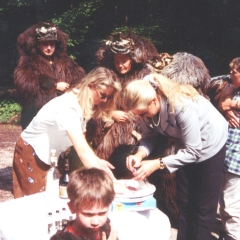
(9, 111)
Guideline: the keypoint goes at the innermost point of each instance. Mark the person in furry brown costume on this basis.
(44, 69)
(131, 57)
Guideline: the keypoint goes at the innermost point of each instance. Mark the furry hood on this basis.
(143, 50)
(188, 69)
(27, 41)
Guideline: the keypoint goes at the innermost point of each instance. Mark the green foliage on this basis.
(17, 3)
(148, 31)
(173, 26)
(9, 111)
(78, 21)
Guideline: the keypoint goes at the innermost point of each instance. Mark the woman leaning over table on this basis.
(180, 112)
(59, 124)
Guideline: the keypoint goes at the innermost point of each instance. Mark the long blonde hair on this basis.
(139, 93)
(101, 78)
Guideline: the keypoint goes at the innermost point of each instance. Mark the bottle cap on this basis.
(53, 152)
(53, 157)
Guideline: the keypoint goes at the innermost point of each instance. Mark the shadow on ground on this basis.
(6, 179)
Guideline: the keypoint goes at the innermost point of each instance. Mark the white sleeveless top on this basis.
(48, 128)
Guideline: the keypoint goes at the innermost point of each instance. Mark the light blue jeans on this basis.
(230, 205)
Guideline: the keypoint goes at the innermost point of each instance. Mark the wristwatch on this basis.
(161, 164)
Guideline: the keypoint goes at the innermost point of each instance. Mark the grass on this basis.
(10, 111)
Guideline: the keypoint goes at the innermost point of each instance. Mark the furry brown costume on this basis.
(186, 68)
(115, 141)
(219, 90)
(144, 57)
(35, 78)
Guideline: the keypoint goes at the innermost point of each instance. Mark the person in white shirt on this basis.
(60, 124)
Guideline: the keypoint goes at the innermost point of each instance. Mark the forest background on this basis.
(209, 29)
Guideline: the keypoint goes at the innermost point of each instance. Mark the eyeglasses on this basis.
(103, 95)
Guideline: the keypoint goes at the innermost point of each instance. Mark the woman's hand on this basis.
(146, 169)
(107, 166)
(232, 118)
(133, 162)
(120, 116)
(113, 234)
(62, 86)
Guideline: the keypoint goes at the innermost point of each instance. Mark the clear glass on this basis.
(52, 179)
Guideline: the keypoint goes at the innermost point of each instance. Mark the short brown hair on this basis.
(88, 187)
(235, 63)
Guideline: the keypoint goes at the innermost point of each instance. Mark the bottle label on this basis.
(63, 191)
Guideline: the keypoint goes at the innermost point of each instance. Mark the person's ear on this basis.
(154, 100)
(71, 207)
(90, 85)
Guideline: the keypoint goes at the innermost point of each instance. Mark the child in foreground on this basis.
(91, 193)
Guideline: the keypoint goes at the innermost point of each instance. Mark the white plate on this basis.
(144, 192)
(132, 200)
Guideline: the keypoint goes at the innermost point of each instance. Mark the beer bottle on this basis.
(64, 180)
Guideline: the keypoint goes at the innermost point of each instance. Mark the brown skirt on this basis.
(28, 170)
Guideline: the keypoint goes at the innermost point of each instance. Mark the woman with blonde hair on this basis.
(60, 124)
(178, 111)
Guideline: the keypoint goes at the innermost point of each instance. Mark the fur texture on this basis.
(106, 139)
(34, 90)
(217, 88)
(143, 51)
(116, 142)
(186, 68)
(120, 133)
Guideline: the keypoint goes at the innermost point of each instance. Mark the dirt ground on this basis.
(8, 136)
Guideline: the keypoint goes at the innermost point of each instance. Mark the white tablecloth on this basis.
(26, 219)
